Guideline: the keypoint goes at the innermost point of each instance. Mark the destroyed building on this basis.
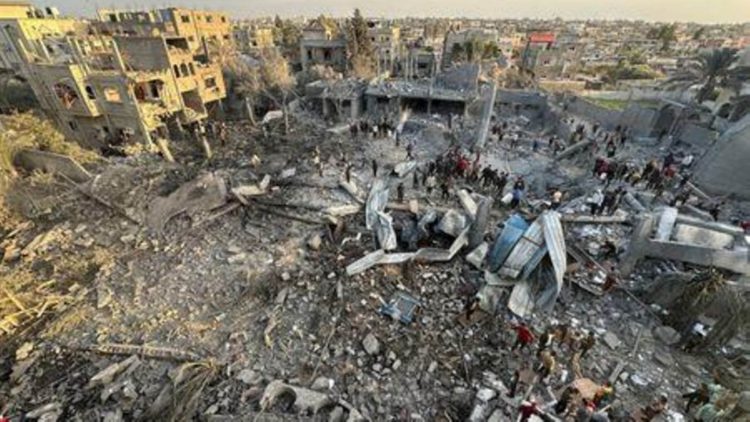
(130, 76)
(252, 39)
(323, 44)
(450, 92)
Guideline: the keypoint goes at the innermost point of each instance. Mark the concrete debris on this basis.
(246, 191)
(667, 335)
(476, 257)
(306, 402)
(371, 344)
(202, 194)
(453, 223)
(50, 162)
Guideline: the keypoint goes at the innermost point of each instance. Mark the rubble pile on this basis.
(313, 274)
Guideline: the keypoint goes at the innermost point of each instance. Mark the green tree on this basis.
(709, 69)
(360, 45)
(667, 35)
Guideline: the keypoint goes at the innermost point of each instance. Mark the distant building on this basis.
(467, 45)
(386, 43)
(322, 45)
(252, 39)
(131, 76)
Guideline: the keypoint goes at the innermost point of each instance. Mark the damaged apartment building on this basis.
(125, 77)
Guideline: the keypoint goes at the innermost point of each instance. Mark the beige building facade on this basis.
(128, 77)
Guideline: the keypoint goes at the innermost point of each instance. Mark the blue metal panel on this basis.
(514, 228)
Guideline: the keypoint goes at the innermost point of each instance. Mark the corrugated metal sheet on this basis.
(539, 289)
(554, 239)
(514, 228)
(531, 241)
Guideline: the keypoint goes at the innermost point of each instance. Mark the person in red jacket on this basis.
(524, 337)
(527, 409)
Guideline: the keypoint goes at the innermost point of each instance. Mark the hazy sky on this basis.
(656, 10)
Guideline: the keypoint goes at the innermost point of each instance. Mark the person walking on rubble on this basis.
(568, 396)
(587, 343)
(557, 196)
(595, 201)
(374, 168)
(656, 408)
(548, 363)
(524, 337)
(716, 210)
(400, 192)
(409, 151)
(430, 182)
(445, 186)
(348, 173)
(698, 397)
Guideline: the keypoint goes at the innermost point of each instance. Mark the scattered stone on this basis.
(249, 377)
(667, 335)
(314, 242)
(237, 259)
(322, 384)
(371, 344)
(611, 340)
(24, 351)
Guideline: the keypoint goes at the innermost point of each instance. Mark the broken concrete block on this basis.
(667, 335)
(305, 401)
(249, 377)
(452, 223)
(314, 242)
(201, 194)
(322, 384)
(287, 173)
(702, 237)
(47, 413)
(476, 257)
(108, 374)
(371, 344)
(611, 340)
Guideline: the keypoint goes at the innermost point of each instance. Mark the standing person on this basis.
(430, 183)
(557, 196)
(400, 192)
(548, 363)
(445, 187)
(716, 210)
(527, 409)
(611, 148)
(595, 201)
(608, 202)
(610, 281)
(569, 395)
(587, 343)
(656, 408)
(535, 145)
(524, 337)
(348, 173)
(501, 181)
(415, 179)
(687, 161)
(409, 151)
(698, 397)
(374, 168)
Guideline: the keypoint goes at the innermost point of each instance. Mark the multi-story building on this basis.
(386, 43)
(128, 77)
(322, 45)
(467, 45)
(252, 39)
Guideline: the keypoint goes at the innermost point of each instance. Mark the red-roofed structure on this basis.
(542, 38)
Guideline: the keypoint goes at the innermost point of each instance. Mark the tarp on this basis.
(514, 228)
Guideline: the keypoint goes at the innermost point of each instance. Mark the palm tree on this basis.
(709, 69)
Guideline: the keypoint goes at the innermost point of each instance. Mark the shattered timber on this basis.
(287, 278)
